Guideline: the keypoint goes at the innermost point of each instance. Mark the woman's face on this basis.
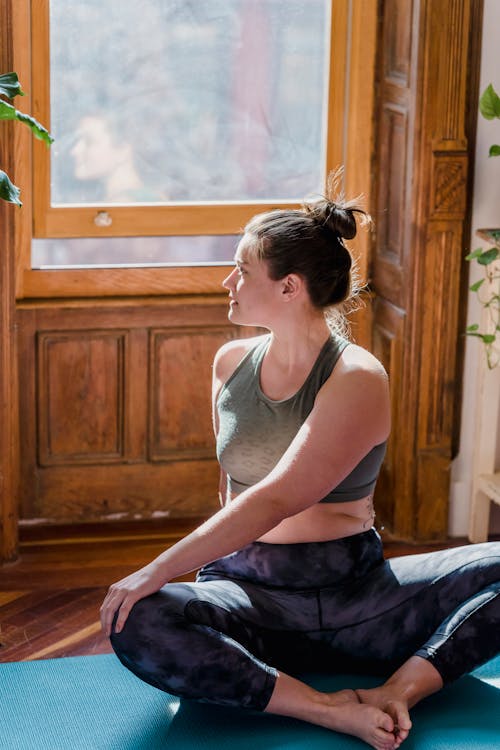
(253, 295)
(95, 153)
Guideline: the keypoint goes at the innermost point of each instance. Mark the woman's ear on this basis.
(291, 286)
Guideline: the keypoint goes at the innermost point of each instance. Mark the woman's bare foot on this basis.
(341, 712)
(389, 700)
(368, 723)
(413, 681)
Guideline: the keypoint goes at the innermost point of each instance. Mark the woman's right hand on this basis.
(123, 594)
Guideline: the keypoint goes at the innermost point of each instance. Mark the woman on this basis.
(293, 576)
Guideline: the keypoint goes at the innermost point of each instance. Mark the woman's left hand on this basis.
(122, 595)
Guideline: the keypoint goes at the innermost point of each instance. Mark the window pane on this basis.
(178, 100)
(130, 251)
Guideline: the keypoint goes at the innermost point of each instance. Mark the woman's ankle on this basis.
(416, 679)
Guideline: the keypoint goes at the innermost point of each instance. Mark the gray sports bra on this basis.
(255, 431)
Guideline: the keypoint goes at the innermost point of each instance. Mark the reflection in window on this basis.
(182, 101)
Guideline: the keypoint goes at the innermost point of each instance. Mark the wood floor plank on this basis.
(38, 635)
(10, 596)
(68, 643)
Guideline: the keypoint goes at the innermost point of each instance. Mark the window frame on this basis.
(149, 220)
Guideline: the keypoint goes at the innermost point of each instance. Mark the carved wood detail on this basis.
(446, 36)
(439, 323)
(448, 185)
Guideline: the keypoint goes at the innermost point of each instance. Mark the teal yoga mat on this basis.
(93, 703)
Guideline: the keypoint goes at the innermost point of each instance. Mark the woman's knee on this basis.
(152, 619)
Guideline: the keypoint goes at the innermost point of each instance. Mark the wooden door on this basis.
(426, 113)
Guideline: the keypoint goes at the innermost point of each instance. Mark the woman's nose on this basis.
(228, 282)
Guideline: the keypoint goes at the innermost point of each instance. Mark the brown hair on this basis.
(309, 242)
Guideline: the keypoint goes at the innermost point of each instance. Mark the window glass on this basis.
(179, 101)
(130, 251)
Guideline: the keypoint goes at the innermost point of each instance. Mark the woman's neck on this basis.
(297, 345)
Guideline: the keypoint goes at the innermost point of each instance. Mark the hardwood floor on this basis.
(50, 598)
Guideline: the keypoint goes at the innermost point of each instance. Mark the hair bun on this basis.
(332, 212)
(340, 220)
(334, 217)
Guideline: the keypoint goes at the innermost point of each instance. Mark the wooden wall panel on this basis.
(116, 408)
(78, 494)
(81, 386)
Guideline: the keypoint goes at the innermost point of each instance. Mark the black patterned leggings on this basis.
(330, 606)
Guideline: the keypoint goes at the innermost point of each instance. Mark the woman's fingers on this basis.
(112, 603)
(122, 596)
(123, 613)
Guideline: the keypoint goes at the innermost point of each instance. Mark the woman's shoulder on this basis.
(356, 359)
(358, 387)
(231, 353)
(357, 373)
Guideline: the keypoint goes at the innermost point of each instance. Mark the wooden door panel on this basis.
(76, 494)
(180, 392)
(397, 40)
(392, 183)
(81, 379)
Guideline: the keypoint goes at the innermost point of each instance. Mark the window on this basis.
(176, 121)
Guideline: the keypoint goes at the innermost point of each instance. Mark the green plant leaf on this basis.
(8, 112)
(473, 327)
(475, 254)
(494, 150)
(488, 338)
(489, 103)
(488, 256)
(10, 86)
(8, 191)
(474, 287)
